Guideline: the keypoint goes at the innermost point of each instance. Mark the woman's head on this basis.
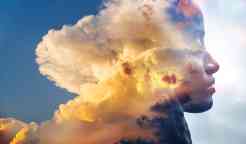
(188, 18)
(178, 74)
(89, 51)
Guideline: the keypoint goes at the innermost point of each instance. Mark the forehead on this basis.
(187, 17)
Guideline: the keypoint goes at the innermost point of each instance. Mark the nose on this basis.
(212, 65)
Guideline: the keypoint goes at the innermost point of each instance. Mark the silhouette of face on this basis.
(200, 86)
(193, 81)
(188, 18)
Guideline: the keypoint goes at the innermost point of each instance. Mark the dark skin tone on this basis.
(201, 84)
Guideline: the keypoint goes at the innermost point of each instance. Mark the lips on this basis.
(211, 90)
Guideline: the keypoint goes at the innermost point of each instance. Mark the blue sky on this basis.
(23, 23)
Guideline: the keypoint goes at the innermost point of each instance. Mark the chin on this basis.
(198, 107)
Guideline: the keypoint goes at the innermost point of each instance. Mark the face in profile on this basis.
(198, 84)
(198, 68)
(188, 19)
(190, 73)
(201, 82)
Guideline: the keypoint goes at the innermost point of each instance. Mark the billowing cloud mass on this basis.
(112, 62)
(87, 51)
(94, 58)
(9, 128)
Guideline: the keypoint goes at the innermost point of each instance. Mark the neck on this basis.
(168, 129)
(170, 126)
(173, 129)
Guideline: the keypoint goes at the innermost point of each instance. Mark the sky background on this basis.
(28, 96)
(25, 94)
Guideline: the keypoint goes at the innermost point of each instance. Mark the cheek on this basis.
(199, 86)
(200, 97)
(197, 77)
(199, 81)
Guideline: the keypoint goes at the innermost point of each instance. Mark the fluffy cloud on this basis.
(108, 60)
